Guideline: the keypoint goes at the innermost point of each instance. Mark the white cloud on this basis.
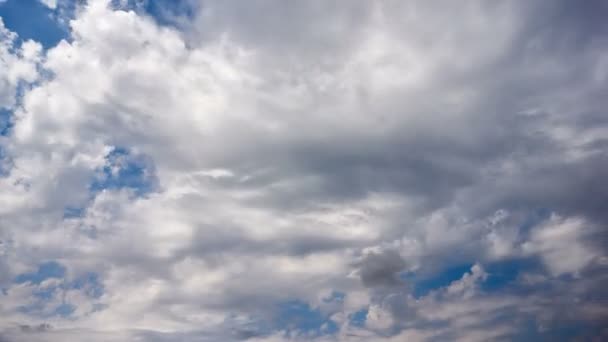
(17, 64)
(317, 150)
(52, 4)
(561, 244)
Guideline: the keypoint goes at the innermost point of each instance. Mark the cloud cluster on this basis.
(264, 160)
(18, 65)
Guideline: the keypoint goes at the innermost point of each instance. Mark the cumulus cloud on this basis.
(274, 172)
(49, 3)
(17, 63)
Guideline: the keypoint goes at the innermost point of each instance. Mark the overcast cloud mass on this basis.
(276, 171)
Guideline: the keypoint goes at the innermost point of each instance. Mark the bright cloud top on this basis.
(269, 171)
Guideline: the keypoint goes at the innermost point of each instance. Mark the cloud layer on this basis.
(218, 171)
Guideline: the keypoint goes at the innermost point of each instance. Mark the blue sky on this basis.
(271, 172)
(30, 19)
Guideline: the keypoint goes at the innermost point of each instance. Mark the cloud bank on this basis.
(268, 171)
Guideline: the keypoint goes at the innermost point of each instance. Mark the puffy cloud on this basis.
(561, 245)
(193, 182)
(17, 65)
(49, 3)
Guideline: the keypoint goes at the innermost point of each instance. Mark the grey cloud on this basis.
(425, 119)
(288, 28)
(450, 154)
(381, 269)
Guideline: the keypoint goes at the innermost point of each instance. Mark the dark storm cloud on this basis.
(381, 269)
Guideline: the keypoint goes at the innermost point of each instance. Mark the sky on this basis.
(271, 171)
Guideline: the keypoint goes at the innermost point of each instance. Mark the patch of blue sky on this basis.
(358, 318)
(499, 275)
(298, 317)
(125, 170)
(46, 293)
(89, 283)
(122, 170)
(30, 19)
(534, 218)
(46, 270)
(164, 12)
(5, 121)
(7, 114)
(5, 162)
(335, 296)
(64, 310)
(423, 285)
(506, 272)
(72, 212)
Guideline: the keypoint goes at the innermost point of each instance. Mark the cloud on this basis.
(379, 269)
(18, 64)
(52, 4)
(190, 179)
(560, 244)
